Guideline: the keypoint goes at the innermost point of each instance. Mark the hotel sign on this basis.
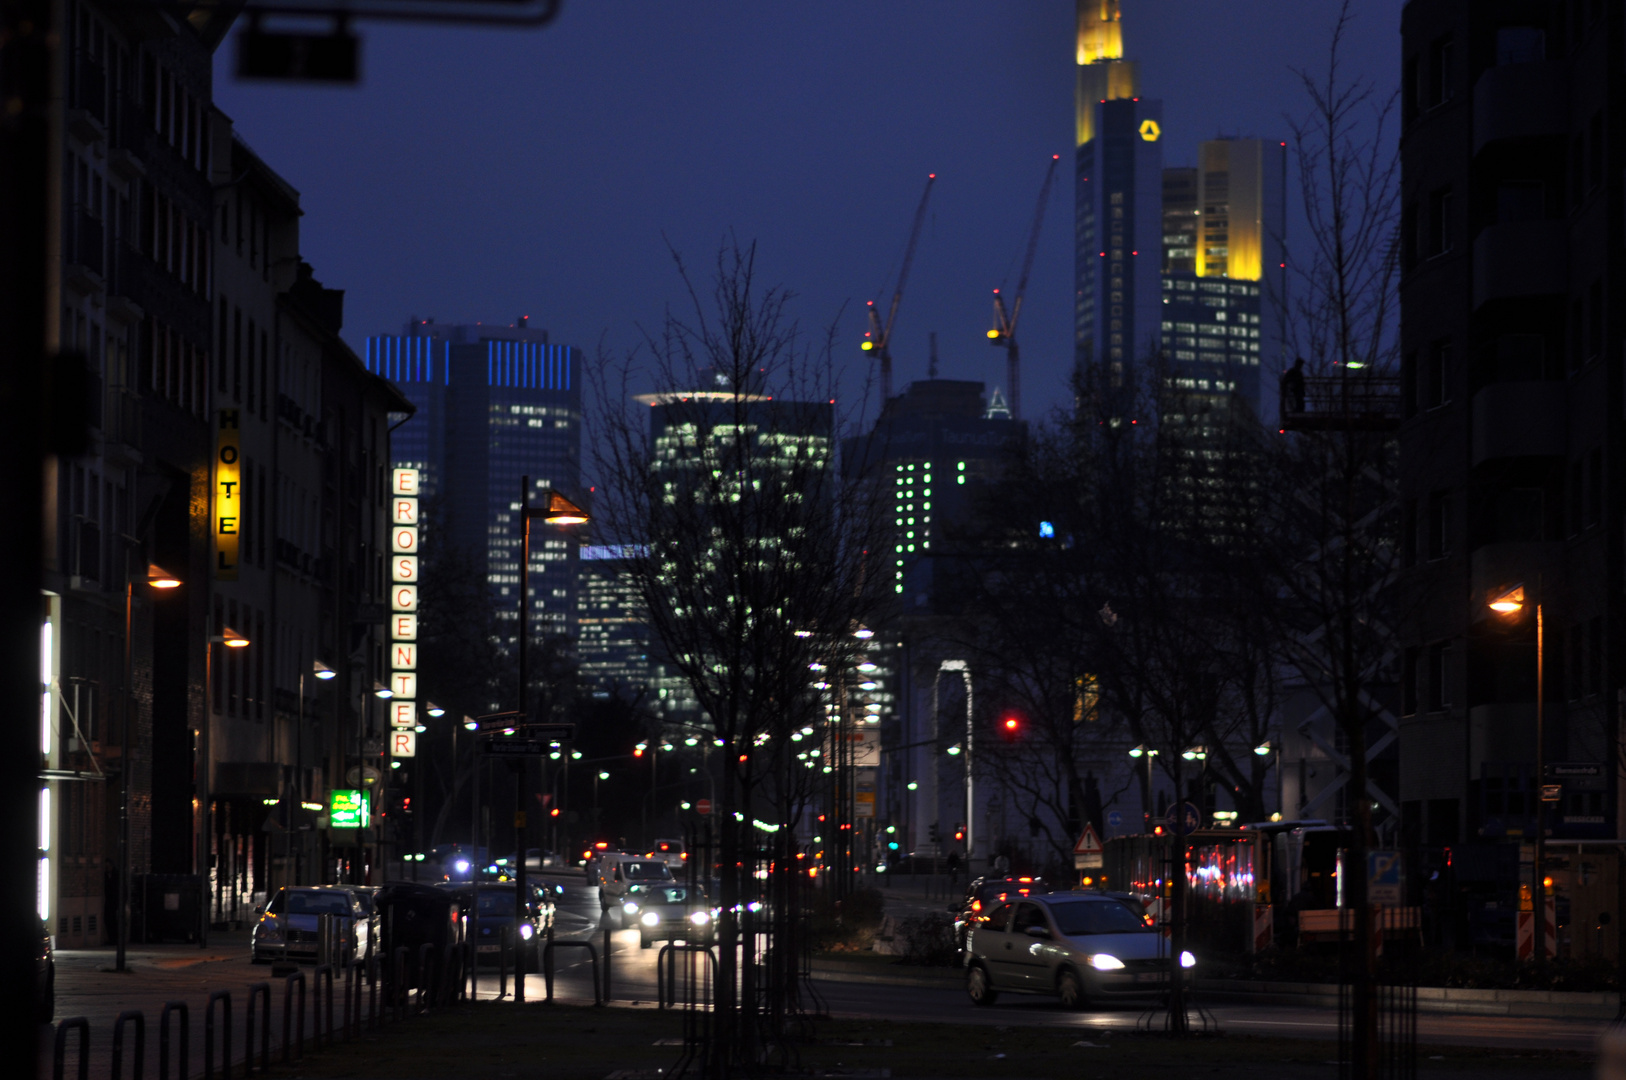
(404, 567)
(226, 513)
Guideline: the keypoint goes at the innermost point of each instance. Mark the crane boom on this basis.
(880, 335)
(1004, 331)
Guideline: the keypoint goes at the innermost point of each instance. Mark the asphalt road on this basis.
(87, 987)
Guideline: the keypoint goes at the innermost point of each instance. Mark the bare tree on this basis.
(751, 555)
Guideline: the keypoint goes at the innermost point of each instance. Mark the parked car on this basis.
(987, 893)
(617, 875)
(668, 912)
(288, 924)
(1077, 946)
(44, 975)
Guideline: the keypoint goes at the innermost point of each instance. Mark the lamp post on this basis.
(1198, 754)
(1146, 752)
(1265, 750)
(230, 639)
(1510, 604)
(555, 510)
(157, 578)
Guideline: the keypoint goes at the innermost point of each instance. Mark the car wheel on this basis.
(1070, 990)
(979, 987)
(645, 943)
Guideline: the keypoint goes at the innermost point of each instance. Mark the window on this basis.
(1408, 384)
(1595, 648)
(1439, 508)
(1436, 376)
(1439, 238)
(1521, 45)
(1408, 682)
(1519, 515)
(1440, 56)
(1408, 532)
(1439, 662)
(1520, 200)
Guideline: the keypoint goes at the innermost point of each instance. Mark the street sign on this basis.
(1088, 853)
(358, 775)
(1552, 792)
(517, 722)
(702, 806)
(347, 809)
(515, 747)
(1115, 819)
(1193, 820)
(1384, 881)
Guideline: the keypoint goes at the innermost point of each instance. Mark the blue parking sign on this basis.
(1384, 880)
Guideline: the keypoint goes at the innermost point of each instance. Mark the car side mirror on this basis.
(1039, 931)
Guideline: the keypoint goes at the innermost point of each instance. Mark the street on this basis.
(87, 987)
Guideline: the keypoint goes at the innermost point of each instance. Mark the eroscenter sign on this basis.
(404, 566)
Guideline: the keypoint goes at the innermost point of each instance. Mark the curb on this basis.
(1554, 1004)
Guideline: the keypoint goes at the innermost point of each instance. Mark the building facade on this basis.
(612, 642)
(1512, 263)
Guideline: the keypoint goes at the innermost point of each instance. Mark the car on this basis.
(288, 924)
(669, 851)
(618, 874)
(1077, 946)
(494, 910)
(985, 892)
(594, 856)
(668, 912)
(44, 974)
(541, 859)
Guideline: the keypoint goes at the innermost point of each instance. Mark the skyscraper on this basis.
(495, 404)
(1224, 277)
(1117, 200)
(612, 646)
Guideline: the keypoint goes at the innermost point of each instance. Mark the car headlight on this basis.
(650, 919)
(461, 866)
(630, 908)
(1187, 960)
(700, 918)
(525, 931)
(1106, 962)
(268, 932)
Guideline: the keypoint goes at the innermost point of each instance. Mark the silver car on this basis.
(1077, 946)
(287, 926)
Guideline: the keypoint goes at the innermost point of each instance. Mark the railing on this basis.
(1340, 402)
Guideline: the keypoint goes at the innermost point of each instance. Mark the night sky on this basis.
(483, 174)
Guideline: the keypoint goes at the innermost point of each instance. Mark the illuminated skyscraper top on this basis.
(1117, 200)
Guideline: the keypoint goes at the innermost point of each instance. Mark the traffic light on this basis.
(935, 832)
(1010, 727)
(959, 834)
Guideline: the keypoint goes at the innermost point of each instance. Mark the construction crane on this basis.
(878, 338)
(1004, 331)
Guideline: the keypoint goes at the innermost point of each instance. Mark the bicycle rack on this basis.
(321, 995)
(288, 1013)
(140, 1044)
(185, 1044)
(82, 1026)
(261, 992)
(224, 997)
(666, 970)
(547, 965)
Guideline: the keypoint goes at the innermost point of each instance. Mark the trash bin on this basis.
(165, 907)
(413, 915)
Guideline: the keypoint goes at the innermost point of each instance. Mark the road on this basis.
(86, 987)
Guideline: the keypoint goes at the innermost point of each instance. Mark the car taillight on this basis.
(976, 905)
(684, 856)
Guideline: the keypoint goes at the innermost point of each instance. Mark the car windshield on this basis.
(654, 894)
(314, 903)
(1096, 917)
(498, 902)
(646, 870)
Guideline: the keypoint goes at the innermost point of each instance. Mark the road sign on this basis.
(1193, 820)
(1115, 819)
(1088, 853)
(1384, 881)
(347, 809)
(702, 806)
(516, 747)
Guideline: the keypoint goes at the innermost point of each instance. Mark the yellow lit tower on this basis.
(1118, 199)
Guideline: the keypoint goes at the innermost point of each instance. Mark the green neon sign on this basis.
(347, 809)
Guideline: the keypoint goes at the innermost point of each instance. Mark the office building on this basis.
(1512, 277)
(1118, 179)
(496, 404)
(612, 642)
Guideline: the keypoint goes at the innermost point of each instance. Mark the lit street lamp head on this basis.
(1510, 602)
(382, 691)
(322, 671)
(159, 578)
(232, 639)
(558, 510)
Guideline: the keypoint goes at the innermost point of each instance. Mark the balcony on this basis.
(1518, 259)
(1353, 402)
(1519, 419)
(1520, 101)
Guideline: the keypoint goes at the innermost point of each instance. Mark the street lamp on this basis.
(230, 639)
(1144, 751)
(1510, 604)
(382, 691)
(157, 578)
(322, 671)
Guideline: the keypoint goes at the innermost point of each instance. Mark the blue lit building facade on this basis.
(495, 404)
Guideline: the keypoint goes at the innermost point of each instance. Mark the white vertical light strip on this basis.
(45, 819)
(46, 664)
(43, 893)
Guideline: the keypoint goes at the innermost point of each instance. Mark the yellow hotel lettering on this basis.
(228, 496)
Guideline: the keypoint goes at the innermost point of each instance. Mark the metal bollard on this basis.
(140, 1044)
(322, 995)
(288, 1014)
(373, 1018)
(261, 992)
(82, 1026)
(185, 1044)
(426, 964)
(398, 983)
(606, 995)
(547, 965)
(224, 997)
(502, 963)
